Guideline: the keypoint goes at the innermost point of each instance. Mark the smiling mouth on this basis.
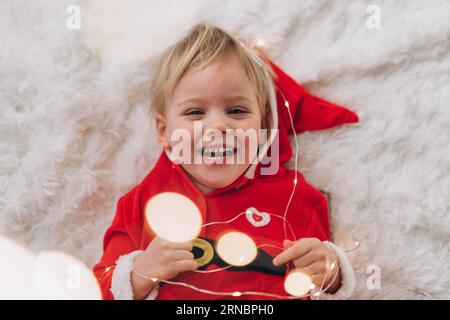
(217, 153)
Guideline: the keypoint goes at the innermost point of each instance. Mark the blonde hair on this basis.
(203, 44)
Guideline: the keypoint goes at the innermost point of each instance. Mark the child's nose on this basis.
(216, 122)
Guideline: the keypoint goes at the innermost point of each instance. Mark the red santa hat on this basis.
(308, 112)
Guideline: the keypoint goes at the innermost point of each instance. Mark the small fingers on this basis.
(305, 260)
(182, 245)
(182, 255)
(297, 250)
(185, 265)
(309, 270)
(175, 245)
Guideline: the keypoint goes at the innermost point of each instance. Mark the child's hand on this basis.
(313, 258)
(164, 260)
(161, 260)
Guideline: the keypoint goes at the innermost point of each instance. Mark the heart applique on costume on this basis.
(256, 218)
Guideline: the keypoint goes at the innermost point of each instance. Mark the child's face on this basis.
(210, 95)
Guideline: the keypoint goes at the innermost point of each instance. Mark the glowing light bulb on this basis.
(260, 43)
(173, 217)
(297, 283)
(236, 294)
(236, 248)
(286, 104)
(59, 276)
(15, 276)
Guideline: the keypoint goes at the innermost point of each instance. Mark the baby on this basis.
(218, 96)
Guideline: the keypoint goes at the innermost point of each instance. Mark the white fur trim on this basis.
(348, 281)
(121, 278)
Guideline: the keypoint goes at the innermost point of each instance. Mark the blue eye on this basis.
(237, 111)
(194, 112)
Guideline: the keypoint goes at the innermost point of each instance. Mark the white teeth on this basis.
(215, 158)
(217, 153)
(218, 149)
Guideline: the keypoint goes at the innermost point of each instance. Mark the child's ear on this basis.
(161, 131)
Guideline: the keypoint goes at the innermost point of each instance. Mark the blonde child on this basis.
(210, 78)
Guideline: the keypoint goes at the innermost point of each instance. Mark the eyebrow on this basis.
(200, 99)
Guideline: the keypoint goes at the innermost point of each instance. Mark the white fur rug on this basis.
(74, 136)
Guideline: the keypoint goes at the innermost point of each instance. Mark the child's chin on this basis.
(219, 180)
(216, 177)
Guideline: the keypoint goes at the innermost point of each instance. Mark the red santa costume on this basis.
(262, 196)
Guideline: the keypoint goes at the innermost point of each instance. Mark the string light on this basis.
(226, 248)
(245, 212)
(58, 275)
(220, 293)
(260, 43)
(297, 283)
(15, 276)
(356, 246)
(212, 271)
(54, 275)
(164, 208)
(286, 103)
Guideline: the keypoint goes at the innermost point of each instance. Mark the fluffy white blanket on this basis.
(73, 135)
